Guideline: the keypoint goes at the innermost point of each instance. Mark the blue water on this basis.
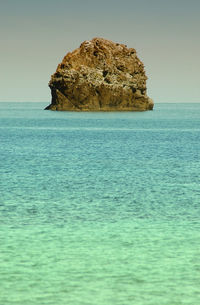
(99, 208)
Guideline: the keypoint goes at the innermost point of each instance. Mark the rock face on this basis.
(100, 76)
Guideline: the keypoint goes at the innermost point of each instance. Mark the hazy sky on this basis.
(36, 34)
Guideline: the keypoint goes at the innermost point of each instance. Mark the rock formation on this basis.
(100, 76)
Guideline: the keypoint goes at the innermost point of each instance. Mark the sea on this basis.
(99, 208)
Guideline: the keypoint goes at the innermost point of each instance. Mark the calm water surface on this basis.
(99, 208)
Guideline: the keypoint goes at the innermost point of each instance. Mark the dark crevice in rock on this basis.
(105, 73)
(133, 89)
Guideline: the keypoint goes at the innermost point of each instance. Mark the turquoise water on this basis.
(99, 208)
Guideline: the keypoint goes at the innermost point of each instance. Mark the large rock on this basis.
(100, 76)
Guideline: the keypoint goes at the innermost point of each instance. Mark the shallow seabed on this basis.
(99, 208)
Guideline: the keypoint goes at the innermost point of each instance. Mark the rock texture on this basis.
(100, 76)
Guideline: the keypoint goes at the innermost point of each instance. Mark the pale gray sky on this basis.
(35, 36)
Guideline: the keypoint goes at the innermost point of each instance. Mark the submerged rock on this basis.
(100, 76)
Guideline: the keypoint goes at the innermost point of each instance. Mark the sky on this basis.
(37, 34)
